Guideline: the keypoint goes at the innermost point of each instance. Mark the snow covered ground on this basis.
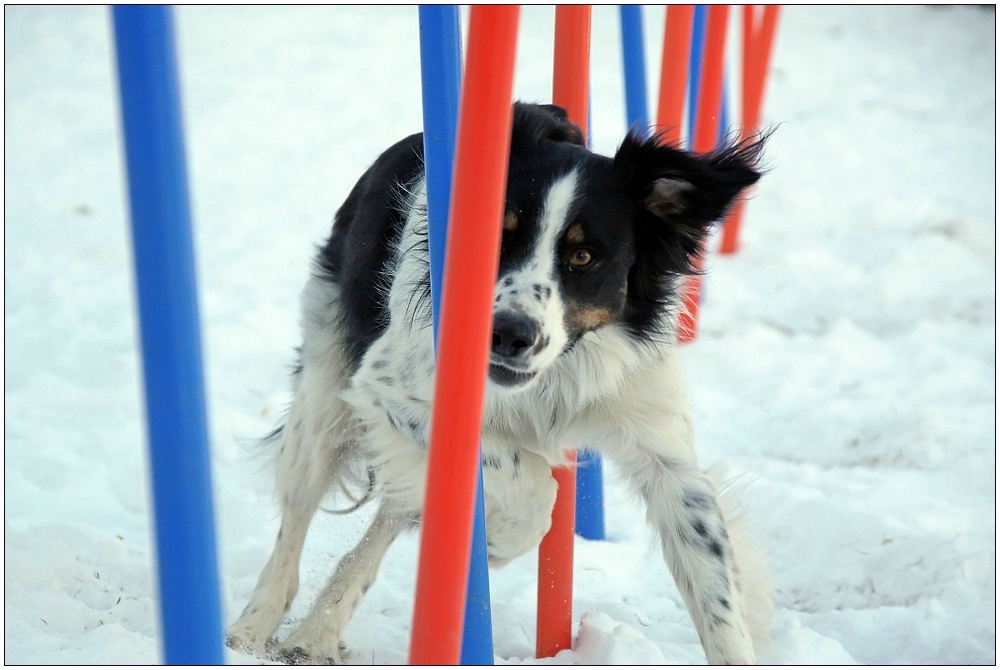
(845, 368)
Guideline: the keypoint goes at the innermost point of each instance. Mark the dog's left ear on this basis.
(679, 195)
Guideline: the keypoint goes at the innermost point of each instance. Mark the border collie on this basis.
(583, 352)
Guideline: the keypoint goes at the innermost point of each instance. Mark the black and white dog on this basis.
(584, 320)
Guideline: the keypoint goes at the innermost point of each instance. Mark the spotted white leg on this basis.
(318, 637)
(682, 507)
(306, 466)
(279, 580)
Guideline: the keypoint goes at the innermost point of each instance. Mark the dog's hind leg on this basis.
(318, 638)
(306, 466)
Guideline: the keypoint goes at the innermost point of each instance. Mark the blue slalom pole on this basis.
(441, 83)
(634, 59)
(441, 73)
(697, 54)
(694, 68)
(589, 513)
(589, 495)
(169, 328)
(694, 84)
(724, 112)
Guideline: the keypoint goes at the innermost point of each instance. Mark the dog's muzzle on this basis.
(515, 338)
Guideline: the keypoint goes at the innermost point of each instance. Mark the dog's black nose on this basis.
(513, 334)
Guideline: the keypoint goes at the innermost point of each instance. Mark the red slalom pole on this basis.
(571, 67)
(757, 47)
(749, 59)
(730, 229)
(674, 72)
(760, 56)
(482, 150)
(706, 131)
(570, 84)
(555, 570)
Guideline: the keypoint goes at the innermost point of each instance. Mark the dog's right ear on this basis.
(560, 128)
(534, 123)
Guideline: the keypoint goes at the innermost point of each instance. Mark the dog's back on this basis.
(365, 232)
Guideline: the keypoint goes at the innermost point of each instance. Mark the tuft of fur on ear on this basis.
(678, 195)
(666, 197)
(534, 123)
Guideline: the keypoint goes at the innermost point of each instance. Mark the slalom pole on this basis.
(749, 59)
(706, 129)
(571, 68)
(589, 518)
(441, 76)
(674, 72)
(555, 571)
(190, 615)
(694, 82)
(634, 62)
(762, 48)
(441, 82)
(757, 48)
(730, 228)
(480, 175)
(694, 68)
(570, 82)
(697, 53)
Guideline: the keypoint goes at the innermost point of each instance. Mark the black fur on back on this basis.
(365, 230)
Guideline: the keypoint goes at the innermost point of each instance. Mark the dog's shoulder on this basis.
(371, 212)
(366, 229)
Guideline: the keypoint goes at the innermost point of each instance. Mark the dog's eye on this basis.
(581, 258)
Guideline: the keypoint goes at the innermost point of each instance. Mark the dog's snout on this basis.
(514, 334)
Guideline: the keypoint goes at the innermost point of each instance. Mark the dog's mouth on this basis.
(508, 377)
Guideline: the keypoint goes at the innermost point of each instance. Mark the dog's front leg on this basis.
(317, 640)
(682, 507)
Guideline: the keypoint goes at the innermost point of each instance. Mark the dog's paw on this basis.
(299, 656)
(295, 651)
(237, 644)
(244, 645)
(293, 656)
(252, 632)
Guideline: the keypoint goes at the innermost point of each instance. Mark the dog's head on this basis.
(590, 241)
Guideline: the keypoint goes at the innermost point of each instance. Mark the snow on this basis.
(845, 368)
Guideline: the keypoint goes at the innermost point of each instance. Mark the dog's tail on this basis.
(751, 561)
(316, 449)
